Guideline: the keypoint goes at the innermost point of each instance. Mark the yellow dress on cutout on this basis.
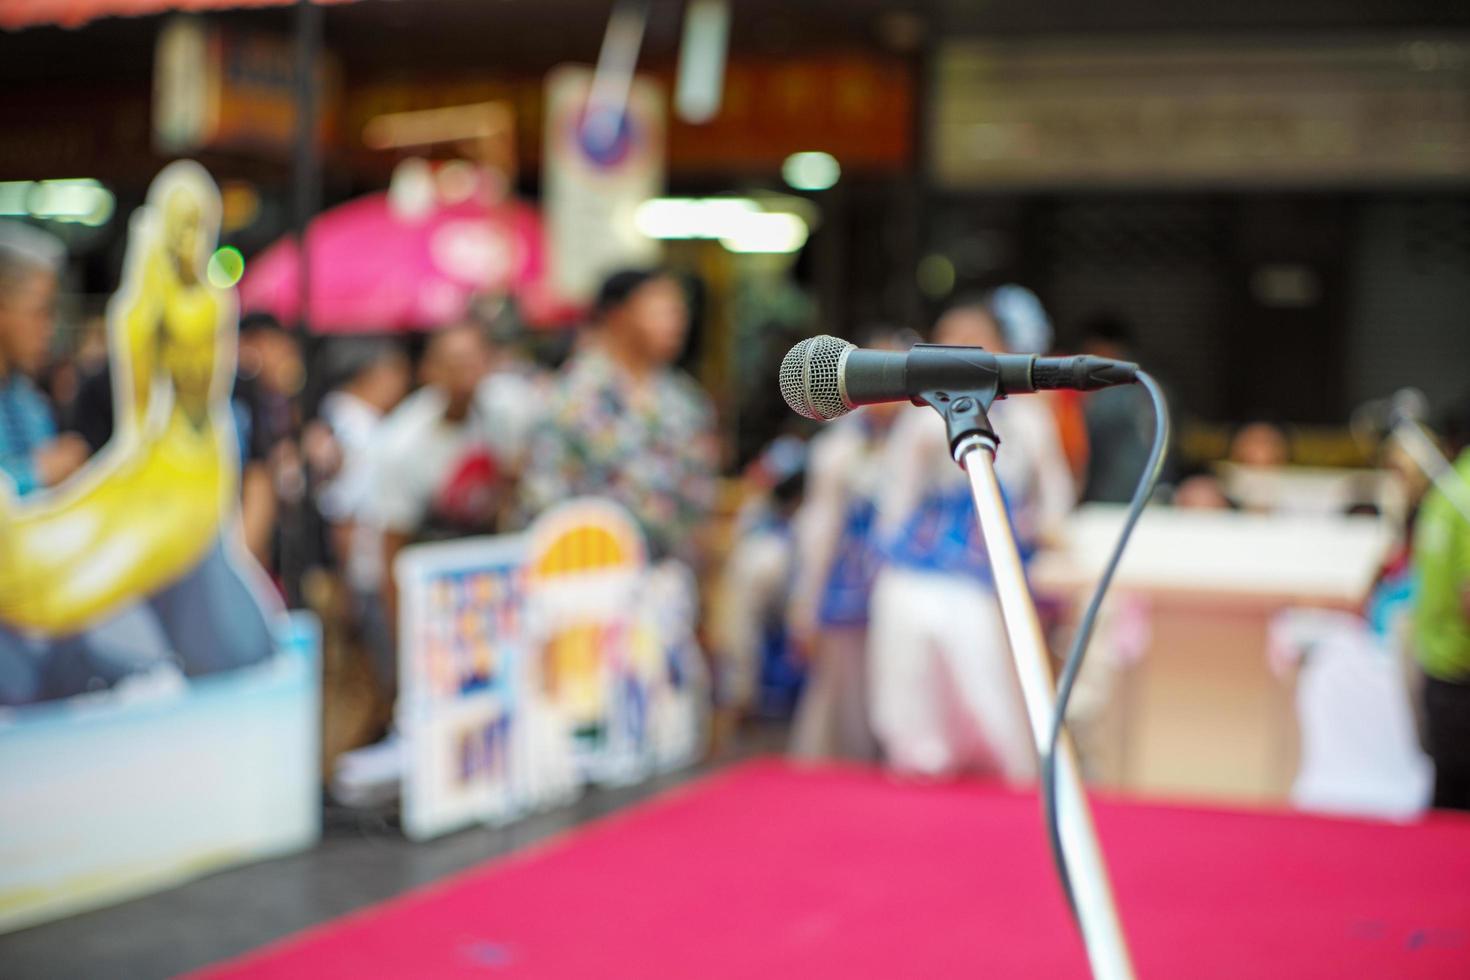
(149, 507)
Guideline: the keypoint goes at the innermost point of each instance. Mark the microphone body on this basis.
(825, 377)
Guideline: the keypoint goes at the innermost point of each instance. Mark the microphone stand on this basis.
(973, 444)
(1433, 463)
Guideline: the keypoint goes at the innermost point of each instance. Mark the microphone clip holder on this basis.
(966, 417)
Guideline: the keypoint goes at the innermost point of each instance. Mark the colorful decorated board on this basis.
(460, 642)
(533, 664)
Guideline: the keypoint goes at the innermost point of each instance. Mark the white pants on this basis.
(944, 696)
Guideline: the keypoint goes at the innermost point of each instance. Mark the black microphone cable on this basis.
(1147, 483)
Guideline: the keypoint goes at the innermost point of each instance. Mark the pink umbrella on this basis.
(374, 268)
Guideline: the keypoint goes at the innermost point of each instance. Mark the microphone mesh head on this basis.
(810, 378)
(1408, 404)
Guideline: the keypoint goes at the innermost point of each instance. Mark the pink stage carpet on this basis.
(764, 871)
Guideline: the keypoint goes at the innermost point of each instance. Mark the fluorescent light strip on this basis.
(738, 223)
(83, 201)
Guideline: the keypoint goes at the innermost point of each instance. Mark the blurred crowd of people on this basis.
(471, 437)
(860, 564)
(490, 439)
(856, 574)
(876, 578)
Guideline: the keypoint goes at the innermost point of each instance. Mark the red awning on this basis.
(72, 13)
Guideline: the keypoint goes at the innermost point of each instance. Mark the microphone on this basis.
(824, 377)
(1381, 416)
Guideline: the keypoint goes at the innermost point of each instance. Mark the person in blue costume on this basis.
(945, 695)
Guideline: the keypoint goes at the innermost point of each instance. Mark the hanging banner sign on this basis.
(593, 185)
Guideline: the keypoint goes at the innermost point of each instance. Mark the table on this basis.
(1200, 714)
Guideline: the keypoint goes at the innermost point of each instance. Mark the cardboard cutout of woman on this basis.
(133, 563)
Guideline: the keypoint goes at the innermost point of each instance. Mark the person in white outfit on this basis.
(945, 698)
(339, 444)
(440, 466)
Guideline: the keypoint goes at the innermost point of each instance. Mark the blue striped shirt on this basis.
(25, 426)
(943, 535)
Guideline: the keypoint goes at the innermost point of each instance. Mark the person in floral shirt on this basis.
(621, 422)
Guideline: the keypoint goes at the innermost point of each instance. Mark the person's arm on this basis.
(546, 476)
(92, 412)
(342, 460)
(393, 543)
(258, 509)
(916, 438)
(341, 535)
(1462, 561)
(1441, 557)
(1056, 491)
(31, 453)
(817, 528)
(398, 505)
(59, 459)
(21, 468)
(17, 458)
(700, 488)
(513, 408)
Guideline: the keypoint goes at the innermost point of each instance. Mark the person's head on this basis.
(456, 360)
(270, 355)
(499, 318)
(1024, 326)
(30, 260)
(885, 336)
(1201, 491)
(374, 370)
(969, 324)
(91, 347)
(1260, 444)
(644, 316)
(1107, 335)
(780, 470)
